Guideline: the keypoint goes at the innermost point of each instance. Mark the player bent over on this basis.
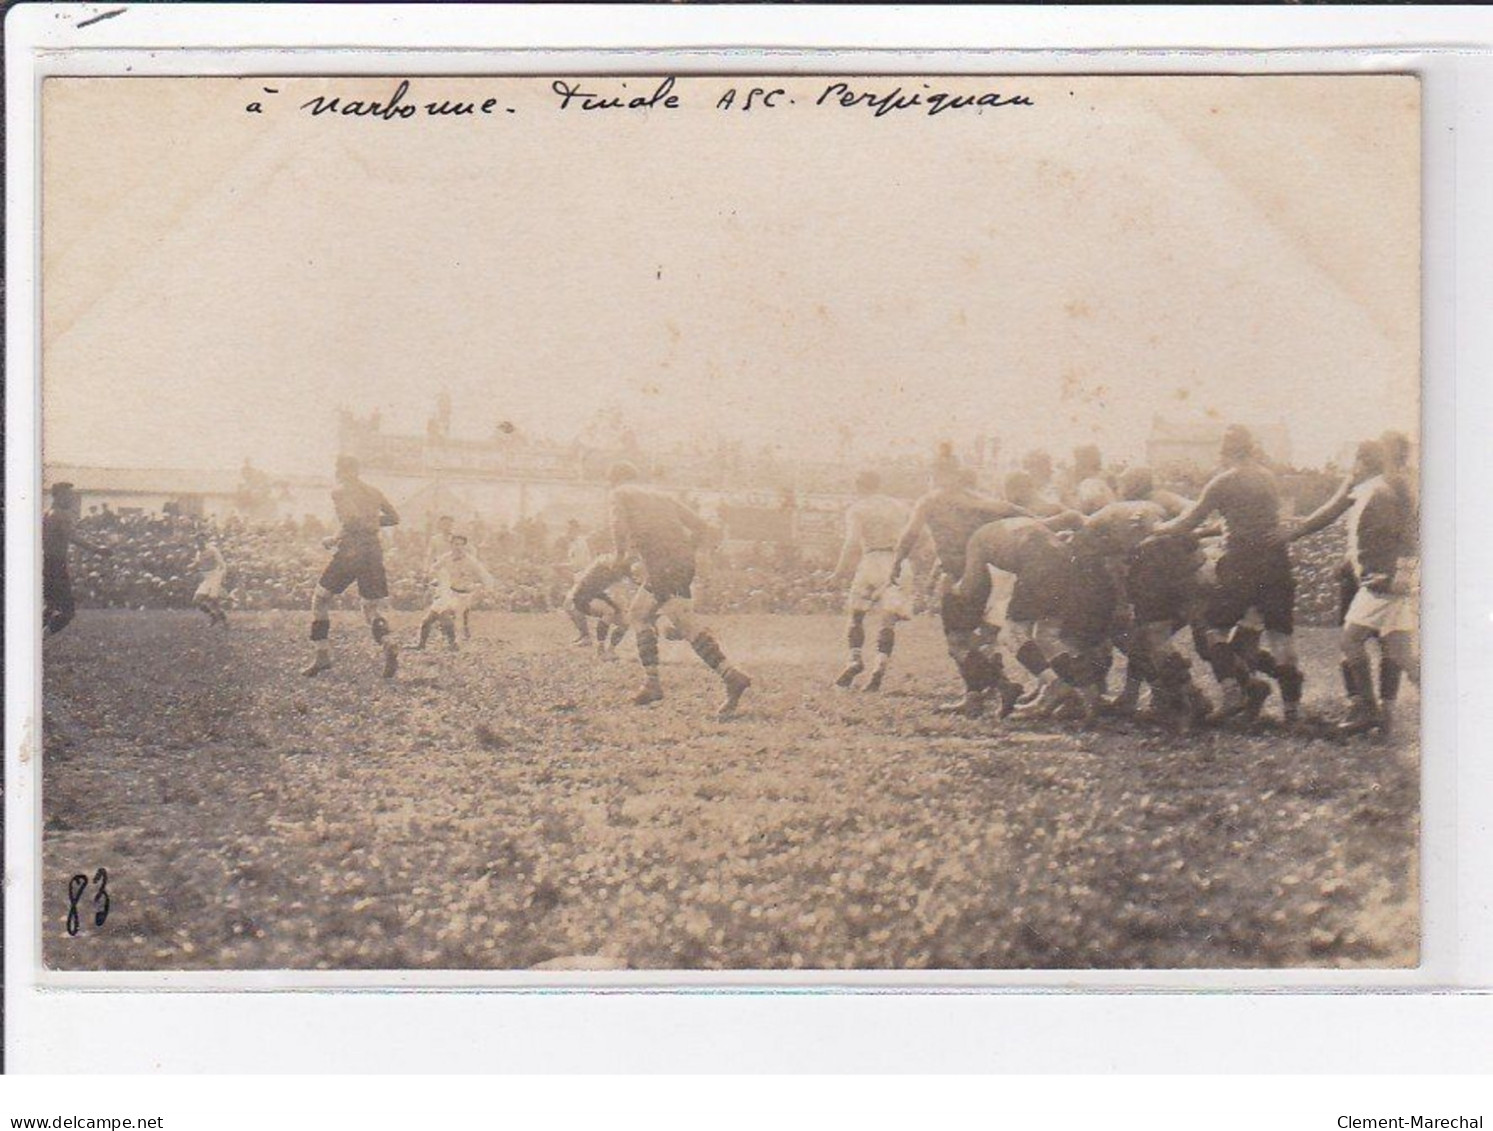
(1381, 539)
(459, 574)
(872, 525)
(664, 534)
(951, 512)
(590, 597)
(209, 595)
(357, 556)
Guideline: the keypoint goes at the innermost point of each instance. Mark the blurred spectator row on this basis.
(276, 567)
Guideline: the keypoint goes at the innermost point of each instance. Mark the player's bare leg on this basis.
(321, 631)
(448, 630)
(680, 611)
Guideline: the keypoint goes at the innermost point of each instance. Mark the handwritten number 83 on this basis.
(76, 887)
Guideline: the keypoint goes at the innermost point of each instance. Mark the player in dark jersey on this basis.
(1157, 579)
(590, 597)
(1042, 603)
(58, 532)
(665, 535)
(358, 556)
(951, 512)
(1253, 573)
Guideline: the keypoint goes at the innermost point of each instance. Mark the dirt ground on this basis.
(503, 807)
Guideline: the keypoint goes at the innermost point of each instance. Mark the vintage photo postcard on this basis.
(738, 523)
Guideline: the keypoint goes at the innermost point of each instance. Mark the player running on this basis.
(872, 525)
(591, 596)
(58, 532)
(665, 534)
(951, 512)
(459, 574)
(577, 559)
(358, 555)
(1253, 573)
(214, 570)
(1381, 542)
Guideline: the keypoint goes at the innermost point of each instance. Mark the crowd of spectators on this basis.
(275, 566)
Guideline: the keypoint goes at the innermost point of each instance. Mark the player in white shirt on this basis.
(872, 525)
(578, 559)
(210, 591)
(458, 576)
(439, 547)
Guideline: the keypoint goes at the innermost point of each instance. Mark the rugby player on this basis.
(58, 532)
(951, 512)
(209, 595)
(590, 596)
(665, 534)
(459, 574)
(358, 555)
(1253, 573)
(1041, 603)
(1381, 541)
(872, 525)
(1158, 579)
(578, 558)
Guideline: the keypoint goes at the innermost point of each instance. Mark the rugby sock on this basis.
(601, 631)
(618, 632)
(648, 650)
(425, 626)
(1389, 680)
(1226, 664)
(886, 640)
(1291, 682)
(1360, 680)
(1030, 656)
(578, 620)
(855, 635)
(1350, 684)
(709, 650)
(321, 628)
(448, 629)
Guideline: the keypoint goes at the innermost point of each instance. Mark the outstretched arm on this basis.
(1325, 515)
(907, 541)
(1193, 516)
(849, 550)
(387, 515)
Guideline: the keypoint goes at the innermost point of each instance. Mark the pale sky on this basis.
(216, 283)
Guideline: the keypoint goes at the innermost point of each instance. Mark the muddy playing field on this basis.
(503, 807)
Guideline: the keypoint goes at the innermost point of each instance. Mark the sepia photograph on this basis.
(747, 523)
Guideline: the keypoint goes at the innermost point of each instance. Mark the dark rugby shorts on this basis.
(1254, 577)
(1161, 580)
(360, 560)
(670, 577)
(1042, 587)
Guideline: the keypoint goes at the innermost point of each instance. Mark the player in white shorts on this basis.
(210, 591)
(872, 525)
(458, 577)
(1381, 545)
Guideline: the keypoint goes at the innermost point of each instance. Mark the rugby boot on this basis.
(971, 704)
(847, 677)
(1363, 716)
(651, 692)
(321, 663)
(737, 682)
(874, 683)
(391, 659)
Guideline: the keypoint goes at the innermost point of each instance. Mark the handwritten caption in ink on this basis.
(609, 95)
